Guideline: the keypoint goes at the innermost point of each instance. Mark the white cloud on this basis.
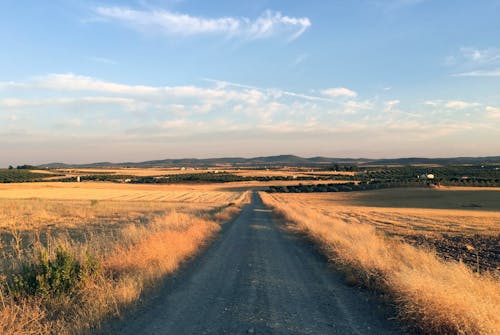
(479, 73)
(269, 24)
(493, 112)
(484, 56)
(452, 104)
(77, 83)
(475, 62)
(339, 92)
(273, 92)
(457, 104)
(389, 106)
(165, 114)
(353, 107)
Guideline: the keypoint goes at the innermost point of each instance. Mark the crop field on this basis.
(460, 224)
(117, 239)
(116, 191)
(121, 237)
(431, 251)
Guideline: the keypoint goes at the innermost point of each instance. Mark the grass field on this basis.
(365, 234)
(138, 192)
(74, 254)
(460, 224)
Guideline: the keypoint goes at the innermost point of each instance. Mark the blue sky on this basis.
(84, 81)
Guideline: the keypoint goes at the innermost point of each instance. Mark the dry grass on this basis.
(406, 212)
(135, 244)
(115, 191)
(436, 296)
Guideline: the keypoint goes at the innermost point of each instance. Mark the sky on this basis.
(88, 81)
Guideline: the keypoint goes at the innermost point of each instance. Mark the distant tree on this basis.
(26, 167)
(11, 167)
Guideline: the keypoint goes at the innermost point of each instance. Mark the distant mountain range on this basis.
(281, 160)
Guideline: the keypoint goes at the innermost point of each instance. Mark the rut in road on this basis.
(257, 278)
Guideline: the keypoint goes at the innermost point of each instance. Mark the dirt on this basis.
(477, 251)
(258, 279)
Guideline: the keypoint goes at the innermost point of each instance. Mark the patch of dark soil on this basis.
(477, 251)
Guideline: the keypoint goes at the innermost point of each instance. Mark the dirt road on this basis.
(258, 279)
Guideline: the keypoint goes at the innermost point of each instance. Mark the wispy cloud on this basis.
(339, 92)
(475, 62)
(479, 73)
(482, 56)
(390, 106)
(69, 104)
(493, 112)
(70, 82)
(458, 104)
(269, 24)
(275, 92)
(300, 59)
(452, 104)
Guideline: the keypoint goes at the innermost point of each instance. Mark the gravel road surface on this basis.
(257, 278)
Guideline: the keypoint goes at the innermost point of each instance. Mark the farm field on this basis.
(432, 252)
(139, 233)
(459, 223)
(121, 191)
(115, 191)
(117, 239)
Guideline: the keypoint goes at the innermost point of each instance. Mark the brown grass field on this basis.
(459, 223)
(365, 234)
(135, 235)
(137, 192)
(432, 251)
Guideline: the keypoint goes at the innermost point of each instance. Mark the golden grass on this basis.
(115, 191)
(436, 296)
(136, 243)
(406, 212)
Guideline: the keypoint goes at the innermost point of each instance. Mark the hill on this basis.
(281, 160)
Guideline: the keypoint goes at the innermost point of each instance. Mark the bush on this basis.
(48, 277)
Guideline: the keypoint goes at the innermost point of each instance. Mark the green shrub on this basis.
(48, 277)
